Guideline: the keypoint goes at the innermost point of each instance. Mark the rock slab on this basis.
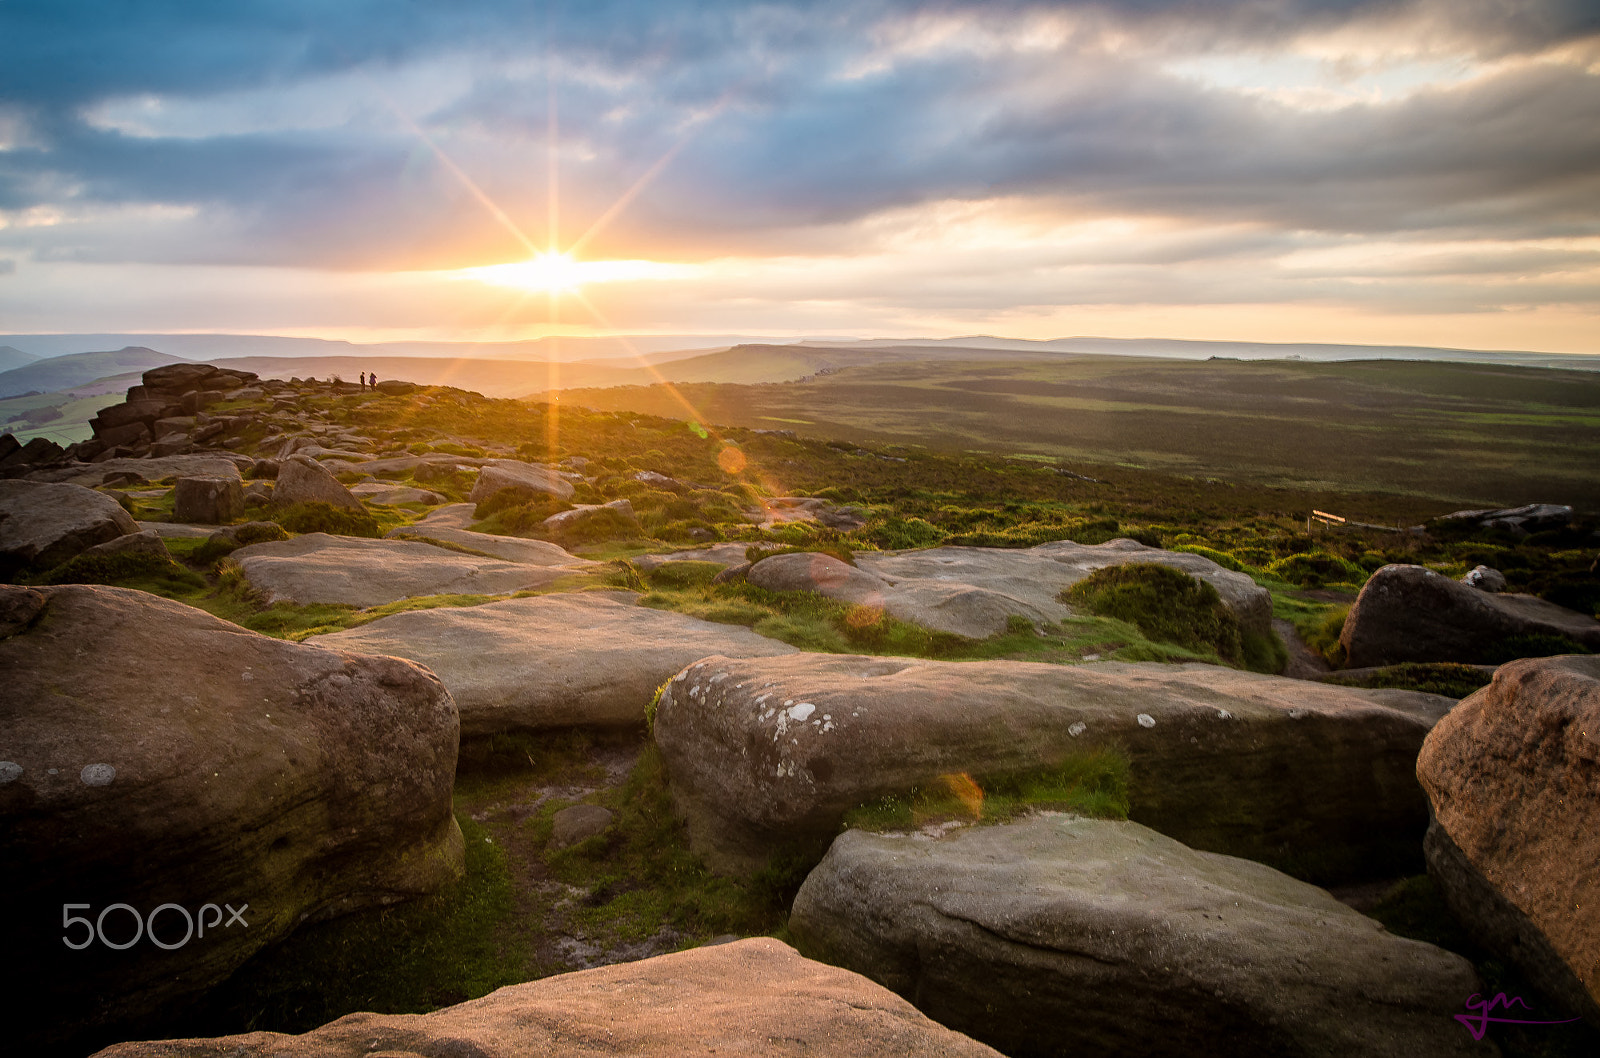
(322, 568)
(304, 480)
(766, 752)
(589, 659)
(1513, 774)
(42, 525)
(500, 474)
(1410, 613)
(750, 997)
(1061, 935)
(184, 760)
(208, 501)
(973, 591)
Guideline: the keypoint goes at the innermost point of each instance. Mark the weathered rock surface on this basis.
(972, 591)
(379, 492)
(208, 501)
(1528, 518)
(1060, 935)
(766, 752)
(731, 554)
(585, 512)
(304, 480)
(43, 525)
(591, 659)
(577, 823)
(180, 759)
(1514, 777)
(1411, 613)
(197, 466)
(144, 542)
(1485, 579)
(321, 568)
(500, 474)
(750, 997)
(777, 509)
(448, 524)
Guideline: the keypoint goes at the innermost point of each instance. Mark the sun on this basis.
(551, 273)
(561, 273)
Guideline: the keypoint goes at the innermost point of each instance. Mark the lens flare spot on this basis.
(731, 460)
(966, 791)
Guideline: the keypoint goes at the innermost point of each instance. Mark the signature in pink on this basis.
(1477, 1023)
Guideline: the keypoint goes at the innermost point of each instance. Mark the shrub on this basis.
(894, 533)
(134, 569)
(1322, 634)
(1221, 558)
(1313, 569)
(1165, 604)
(317, 517)
(541, 505)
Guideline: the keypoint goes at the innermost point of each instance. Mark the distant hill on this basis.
(65, 372)
(210, 347)
(1186, 349)
(11, 359)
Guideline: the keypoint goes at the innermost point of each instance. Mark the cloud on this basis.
(1235, 134)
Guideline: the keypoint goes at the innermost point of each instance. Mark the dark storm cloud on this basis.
(792, 143)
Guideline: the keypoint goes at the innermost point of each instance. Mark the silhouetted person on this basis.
(372, 380)
(363, 380)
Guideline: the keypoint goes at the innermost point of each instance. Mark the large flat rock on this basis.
(767, 752)
(590, 659)
(157, 755)
(1410, 613)
(199, 466)
(500, 474)
(448, 524)
(44, 524)
(972, 591)
(750, 997)
(321, 568)
(1060, 935)
(1514, 777)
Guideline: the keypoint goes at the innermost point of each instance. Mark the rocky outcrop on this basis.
(764, 753)
(590, 659)
(1529, 518)
(567, 521)
(1485, 579)
(449, 526)
(193, 465)
(974, 591)
(778, 509)
(321, 568)
(43, 525)
(157, 755)
(144, 542)
(751, 997)
(1514, 777)
(380, 492)
(208, 501)
(1060, 935)
(1410, 613)
(500, 474)
(302, 479)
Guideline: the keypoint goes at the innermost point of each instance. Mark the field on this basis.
(1446, 432)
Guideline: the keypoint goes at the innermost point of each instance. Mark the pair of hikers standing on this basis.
(369, 381)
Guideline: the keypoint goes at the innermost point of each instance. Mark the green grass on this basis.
(1165, 604)
(1092, 784)
(409, 958)
(639, 877)
(1450, 680)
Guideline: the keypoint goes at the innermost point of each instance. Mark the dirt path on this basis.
(1304, 663)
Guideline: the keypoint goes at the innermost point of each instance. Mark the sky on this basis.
(1375, 171)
